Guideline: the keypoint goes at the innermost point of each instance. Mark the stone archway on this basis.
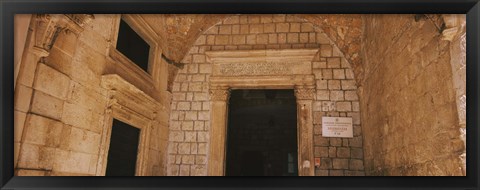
(264, 69)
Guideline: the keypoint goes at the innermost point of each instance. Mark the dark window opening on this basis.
(122, 154)
(262, 133)
(130, 44)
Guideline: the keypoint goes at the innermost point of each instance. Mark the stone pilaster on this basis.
(305, 96)
(219, 111)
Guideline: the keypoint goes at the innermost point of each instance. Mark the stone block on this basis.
(222, 39)
(307, 27)
(354, 173)
(173, 170)
(27, 172)
(333, 62)
(321, 172)
(194, 148)
(200, 159)
(184, 148)
(356, 164)
(282, 38)
(344, 106)
(282, 27)
(318, 140)
(323, 39)
(253, 19)
(195, 86)
(294, 27)
(203, 115)
(348, 84)
(81, 140)
(332, 152)
(269, 28)
(42, 131)
(325, 50)
(340, 163)
(336, 173)
(210, 38)
(198, 78)
(334, 85)
(319, 64)
(238, 39)
(279, 18)
(236, 29)
(312, 38)
(343, 152)
(326, 163)
(36, 157)
(196, 106)
(317, 106)
(198, 58)
(322, 84)
(52, 82)
(200, 96)
(177, 136)
(336, 95)
(19, 123)
(23, 95)
(262, 38)
(256, 28)
(357, 153)
(206, 106)
(292, 38)
(244, 29)
(187, 125)
(338, 73)
(303, 38)
(202, 148)
(203, 137)
(349, 74)
(205, 68)
(46, 105)
(351, 95)
(190, 136)
(327, 74)
(201, 40)
(251, 39)
(317, 117)
(266, 19)
(183, 106)
(225, 29)
(232, 20)
(355, 117)
(64, 160)
(335, 141)
(323, 95)
(321, 151)
(356, 142)
(199, 126)
(191, 115)
(184, 170)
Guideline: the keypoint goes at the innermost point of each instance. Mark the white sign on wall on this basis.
(337, 127)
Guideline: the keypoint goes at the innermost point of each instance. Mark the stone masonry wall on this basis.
(336, 92)
(409, 112)
(60, 105)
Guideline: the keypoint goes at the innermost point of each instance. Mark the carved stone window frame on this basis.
(157, 73)
(298, 76)
(132, 106)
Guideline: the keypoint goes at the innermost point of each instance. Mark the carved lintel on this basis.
(48, 26)
(220, 94)
(305, 92)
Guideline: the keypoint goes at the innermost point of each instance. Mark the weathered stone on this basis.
(339, 163)
(46, 105)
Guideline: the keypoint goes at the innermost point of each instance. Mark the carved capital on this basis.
(219, 94)
(304, 92)
(48, 26)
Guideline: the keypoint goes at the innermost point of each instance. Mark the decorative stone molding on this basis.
(219, 94)
(305, 92)
(48, 26)
(454, 24)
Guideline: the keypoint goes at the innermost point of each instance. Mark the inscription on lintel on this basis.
(261, 68)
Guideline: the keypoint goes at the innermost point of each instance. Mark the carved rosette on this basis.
(219, 94)
(305, 93)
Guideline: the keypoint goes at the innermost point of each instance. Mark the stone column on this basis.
(305, 95)
(218, 122)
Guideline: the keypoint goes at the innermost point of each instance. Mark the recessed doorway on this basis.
(262, 133)
(122, 153)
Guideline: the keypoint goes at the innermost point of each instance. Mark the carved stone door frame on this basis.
(261, 69)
